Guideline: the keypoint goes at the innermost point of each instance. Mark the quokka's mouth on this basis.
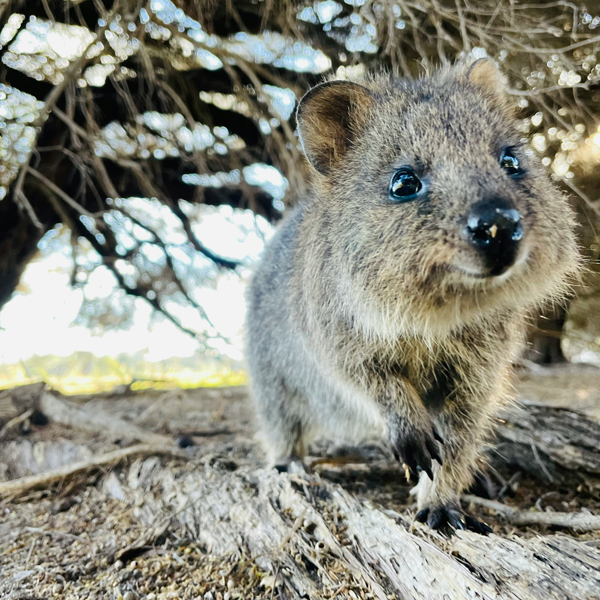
(470, 274)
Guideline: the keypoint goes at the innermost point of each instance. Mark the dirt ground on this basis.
(86, 538)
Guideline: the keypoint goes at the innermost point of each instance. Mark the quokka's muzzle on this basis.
(495, 229)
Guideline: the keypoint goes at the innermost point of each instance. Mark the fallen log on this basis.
(61, 411)
(17, 487)
(315, 540)
(575, 521)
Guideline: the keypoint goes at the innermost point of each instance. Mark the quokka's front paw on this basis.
(293, 466)
(450, 517)
(415, 448)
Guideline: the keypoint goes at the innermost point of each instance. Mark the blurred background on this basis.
(148, 149)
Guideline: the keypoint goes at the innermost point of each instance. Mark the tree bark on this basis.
(18, 243)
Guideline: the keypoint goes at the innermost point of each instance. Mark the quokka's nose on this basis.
(494, 227)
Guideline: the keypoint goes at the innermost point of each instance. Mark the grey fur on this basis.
(362, 319)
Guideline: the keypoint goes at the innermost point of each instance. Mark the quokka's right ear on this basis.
(484, 75)
(329, 118)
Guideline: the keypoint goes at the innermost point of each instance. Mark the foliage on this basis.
(85, 373)
(191, 102)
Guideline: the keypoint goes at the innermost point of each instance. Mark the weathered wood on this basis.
(318, 539)
(575, 521)
(18, 487)
(310, 538)
(16, 401)
(66, 413)
(555, 445)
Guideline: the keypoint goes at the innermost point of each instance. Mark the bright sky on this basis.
(39, 319)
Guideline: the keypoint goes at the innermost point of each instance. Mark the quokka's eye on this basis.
(404, 185)
(510, 163)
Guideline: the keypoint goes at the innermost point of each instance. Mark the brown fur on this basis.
(365, 315)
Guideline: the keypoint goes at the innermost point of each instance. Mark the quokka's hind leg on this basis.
(283, 430)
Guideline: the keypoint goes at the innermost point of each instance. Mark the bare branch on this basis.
(71, 72)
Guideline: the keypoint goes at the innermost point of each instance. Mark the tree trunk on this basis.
(18, 243)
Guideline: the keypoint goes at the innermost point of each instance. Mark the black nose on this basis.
(494, 227)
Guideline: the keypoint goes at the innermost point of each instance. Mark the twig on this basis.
(63, 195)
(20, 197)
(63, 534)
(588, 201)
(137, 292)
(74, 127)
(540, 462)
(14, 422)
(552, 88)
(48, 11)
(293, 530)
(30, 551)
(576, 521)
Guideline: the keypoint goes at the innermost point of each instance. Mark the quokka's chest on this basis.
(436, 373)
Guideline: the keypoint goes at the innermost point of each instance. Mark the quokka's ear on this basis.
(484, 74)
(329, 118)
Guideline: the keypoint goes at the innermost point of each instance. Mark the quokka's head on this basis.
(431, 202)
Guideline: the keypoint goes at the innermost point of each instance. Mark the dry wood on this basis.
(7, 409)
(316, 540)
(575, 521)
(555, 445)
(311, 538)
(14, 422)
(19, 400)
(61, 411)
(322, 542)
(18, 487)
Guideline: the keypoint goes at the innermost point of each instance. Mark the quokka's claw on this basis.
(415, 450)
(449, 518)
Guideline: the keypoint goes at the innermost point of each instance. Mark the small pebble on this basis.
(129, 595)
(57, 588)
(119, 565)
